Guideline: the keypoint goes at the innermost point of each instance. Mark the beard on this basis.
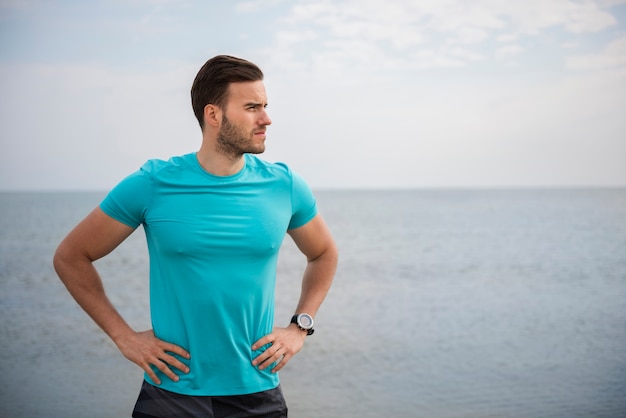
(233, 141)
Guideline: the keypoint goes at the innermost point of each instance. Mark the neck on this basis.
(219, 164)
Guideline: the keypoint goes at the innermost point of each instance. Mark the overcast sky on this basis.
(362, 93)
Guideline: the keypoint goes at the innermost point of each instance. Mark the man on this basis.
(214, 222)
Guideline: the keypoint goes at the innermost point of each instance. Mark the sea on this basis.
(447, 303)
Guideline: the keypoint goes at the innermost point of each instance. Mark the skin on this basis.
(238, 128)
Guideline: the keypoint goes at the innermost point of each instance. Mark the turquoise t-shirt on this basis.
(213, 244)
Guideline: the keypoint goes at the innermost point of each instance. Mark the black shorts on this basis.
(155, 402)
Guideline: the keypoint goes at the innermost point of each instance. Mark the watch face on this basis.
(305, 321)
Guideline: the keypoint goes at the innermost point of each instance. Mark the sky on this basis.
(362, 93)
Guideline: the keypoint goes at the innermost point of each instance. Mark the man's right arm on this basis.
(93, 238)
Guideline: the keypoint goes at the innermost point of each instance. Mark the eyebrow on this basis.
(255, 104)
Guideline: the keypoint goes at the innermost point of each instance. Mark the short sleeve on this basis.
(304, 206)
(128, 201)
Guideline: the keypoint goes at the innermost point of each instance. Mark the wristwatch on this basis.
(304, 322)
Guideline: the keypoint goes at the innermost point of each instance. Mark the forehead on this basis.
(247, 92)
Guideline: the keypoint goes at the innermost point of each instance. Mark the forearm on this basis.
(96, 236)
(287, 342)
(83, 282)
(317, 279)
(143, 348)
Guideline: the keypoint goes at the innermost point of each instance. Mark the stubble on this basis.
(233, 142)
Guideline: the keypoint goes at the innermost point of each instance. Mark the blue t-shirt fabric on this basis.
(213, 243)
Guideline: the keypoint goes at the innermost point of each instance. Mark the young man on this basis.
(214, 222)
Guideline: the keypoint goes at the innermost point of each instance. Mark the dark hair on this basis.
(211, 83)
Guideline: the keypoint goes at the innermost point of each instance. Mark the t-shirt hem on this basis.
(223, 392)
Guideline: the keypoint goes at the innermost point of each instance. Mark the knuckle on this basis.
(163, 367)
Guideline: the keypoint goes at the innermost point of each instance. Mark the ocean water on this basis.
(446, 303)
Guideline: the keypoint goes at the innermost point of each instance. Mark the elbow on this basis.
(65, 257)
(330, 256)
(334, 253)
(59, 259)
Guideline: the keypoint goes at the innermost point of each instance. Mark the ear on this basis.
(212, 115)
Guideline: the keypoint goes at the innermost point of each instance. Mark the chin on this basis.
(258, 150)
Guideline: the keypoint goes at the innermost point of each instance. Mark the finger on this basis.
(272, 349)
(263, 341)
(173, 348)
(282, 363)
(151, 374)
(174, 362)
(166, 370)
(261, 358)
(273, 356)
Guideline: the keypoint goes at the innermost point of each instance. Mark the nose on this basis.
(265, 119)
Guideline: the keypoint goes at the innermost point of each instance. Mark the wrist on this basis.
(120, 336)
(295, 327)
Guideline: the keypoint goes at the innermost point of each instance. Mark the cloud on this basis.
(423, 33)
(255, 5)
(18, 5)
(101, 122)
(410, 93)
(509, 50)
(610, 3)
(613, 56)
(495, 133)
(287, 38)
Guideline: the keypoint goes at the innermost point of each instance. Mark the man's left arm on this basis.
(317, 244)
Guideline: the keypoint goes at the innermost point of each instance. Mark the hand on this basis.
(285, 343)
(145, 350)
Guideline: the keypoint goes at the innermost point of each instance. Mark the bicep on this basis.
(95, 236)
(313, 238)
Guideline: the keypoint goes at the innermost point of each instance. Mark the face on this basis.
(244, 120)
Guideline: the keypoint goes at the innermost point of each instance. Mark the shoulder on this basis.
(279, 172)
(130, 199)
(276, 173)
(260, 166)
(176, 170)
(157, 167)
(150, 174)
